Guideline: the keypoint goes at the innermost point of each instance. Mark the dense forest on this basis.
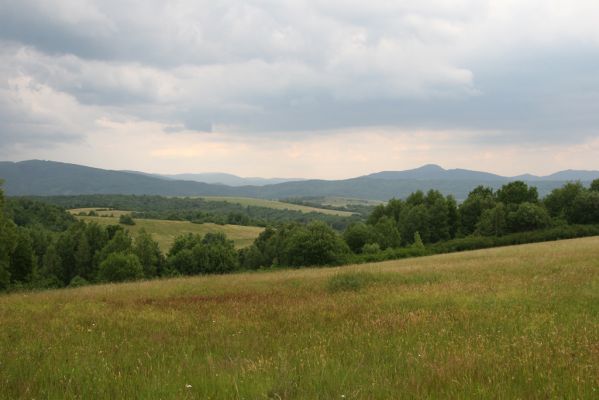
(44, 246)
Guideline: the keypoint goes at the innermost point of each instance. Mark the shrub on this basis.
(357, 235)
(528, 217)
(126, 219)
(482, 242)
(120, 267)
(371, 248)
(78, 281)
(314, 244)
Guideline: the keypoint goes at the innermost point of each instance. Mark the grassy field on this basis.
(345, 202)
(278, 205)
(164, 232)
(102, 212)
(514, 322)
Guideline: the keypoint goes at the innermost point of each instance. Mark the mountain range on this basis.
(37, 177)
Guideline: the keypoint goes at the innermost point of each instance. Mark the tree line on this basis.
(195, 209)
(43, 246)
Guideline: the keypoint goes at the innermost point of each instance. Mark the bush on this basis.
(126, 219)
(482, 242)
(120, 267)
(78, 281)
(357, 235)
(528, 217)
(212, 254)
(314, 244)
(371, 248)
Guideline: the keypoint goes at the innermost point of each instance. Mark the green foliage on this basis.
(83, 258)
(32, 213)
(560, 201)
(359, 234)
(528, 217)
(120, 243)
(386, 234)
(126, 219)
(215, 255)
(313, 244)
(78, 281)
(470, 211)
(198, 210)
(148, 253)
(482, 242)
(371, 248)
(8, 242)
(493, 221)
(415, 219)
(22, 258)
(192, 254)
(433, 215)
(39, 254)
(453, 217)
(517, 192)
(51, 266)
(594, 186)
(120, 267)
(585, 208)
(438, 216)
(417, 243)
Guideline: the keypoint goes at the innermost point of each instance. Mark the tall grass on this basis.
(514, 322)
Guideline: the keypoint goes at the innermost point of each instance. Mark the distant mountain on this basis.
(37, 177)
(230, 179)
(435, 172)
(572, 175)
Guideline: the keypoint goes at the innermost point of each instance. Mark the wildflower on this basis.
(188, 386)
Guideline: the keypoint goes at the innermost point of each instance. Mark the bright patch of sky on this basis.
(326, 89)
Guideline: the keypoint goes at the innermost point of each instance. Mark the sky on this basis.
(314, 89)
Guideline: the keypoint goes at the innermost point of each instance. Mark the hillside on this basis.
(230, 179)
(277, 205)
(518, 321)
(52, 178)
(165, 232)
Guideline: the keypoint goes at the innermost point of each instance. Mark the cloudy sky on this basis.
(312, 88)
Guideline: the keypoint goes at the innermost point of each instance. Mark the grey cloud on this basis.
(274, 68)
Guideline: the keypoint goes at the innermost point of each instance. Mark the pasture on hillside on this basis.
(278, 205)
(512, 322)
(165, 232)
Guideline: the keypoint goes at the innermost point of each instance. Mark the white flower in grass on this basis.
(188, 386)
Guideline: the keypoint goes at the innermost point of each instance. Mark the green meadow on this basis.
(512, 322)
(278, 205)
(165, 232)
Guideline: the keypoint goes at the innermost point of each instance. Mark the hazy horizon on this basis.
(301, 89)
(275, 177)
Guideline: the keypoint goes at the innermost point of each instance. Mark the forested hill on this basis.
(52, 178)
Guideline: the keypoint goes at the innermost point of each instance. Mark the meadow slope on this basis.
(165, 232)
(513, 322)
(277, 205)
